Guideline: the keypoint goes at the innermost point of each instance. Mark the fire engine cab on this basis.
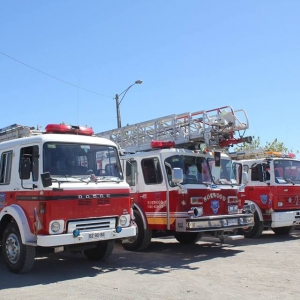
(273, 186)
(52, 199)
(177, 188)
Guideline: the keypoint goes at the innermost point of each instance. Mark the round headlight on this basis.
(123, 220)
(55, 226)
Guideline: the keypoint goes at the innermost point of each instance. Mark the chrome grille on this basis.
(91, 224)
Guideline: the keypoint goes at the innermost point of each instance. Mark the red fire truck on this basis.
(51, 198)
(178, 188)
(273, 186)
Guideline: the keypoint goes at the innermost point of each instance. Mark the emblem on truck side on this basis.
(264, 199)
(215, 205)
(2, 200)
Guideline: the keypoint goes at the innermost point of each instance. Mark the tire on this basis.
(143, 236)
(188, 237)
(255, 231)
(102, 251)
(283, 230)
(19, 258)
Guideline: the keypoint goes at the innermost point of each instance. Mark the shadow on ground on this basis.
(163, 256)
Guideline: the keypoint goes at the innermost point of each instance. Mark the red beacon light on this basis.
(68, 129)
(291, 155)
(162, 145)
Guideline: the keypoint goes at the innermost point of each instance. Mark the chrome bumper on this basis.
(213, 223)
(84, 237)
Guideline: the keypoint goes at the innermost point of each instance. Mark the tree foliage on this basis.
(269, 146)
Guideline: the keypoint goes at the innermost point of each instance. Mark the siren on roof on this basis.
(68, 129)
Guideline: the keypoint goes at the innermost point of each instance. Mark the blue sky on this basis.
(64, 61)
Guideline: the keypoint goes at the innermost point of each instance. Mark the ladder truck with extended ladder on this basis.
(177, 187)
(51, 201)
(273, 186)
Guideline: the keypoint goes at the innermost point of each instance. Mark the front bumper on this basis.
(213, 223)
(84, 237)
(285, 218)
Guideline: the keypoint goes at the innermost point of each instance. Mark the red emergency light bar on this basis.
(162, 145)
(280, 154)
(68, 129)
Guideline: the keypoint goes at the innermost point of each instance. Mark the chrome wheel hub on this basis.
(12, 248)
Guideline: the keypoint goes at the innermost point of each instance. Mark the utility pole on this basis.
(118, 111)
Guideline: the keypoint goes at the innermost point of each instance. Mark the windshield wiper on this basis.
(289, 180)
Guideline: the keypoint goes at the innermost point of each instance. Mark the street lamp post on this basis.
(119, 102)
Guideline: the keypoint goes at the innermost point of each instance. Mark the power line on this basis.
(69, 83)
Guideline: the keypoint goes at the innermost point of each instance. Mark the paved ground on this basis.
(266, 268)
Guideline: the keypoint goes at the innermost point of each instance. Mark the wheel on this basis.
(19, 258)
(101, 252)
(283, 230)
(142, 239)
(188, 237)
(254, 231)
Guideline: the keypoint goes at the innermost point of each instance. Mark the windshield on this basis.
(287, 171)
(71, 159)
(224, 174)
(195, 169)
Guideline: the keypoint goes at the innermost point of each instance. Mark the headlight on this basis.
(56, 226)
(232, 209)
(123, 221)
(280, 204)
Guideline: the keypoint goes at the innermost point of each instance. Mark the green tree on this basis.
(269, 146)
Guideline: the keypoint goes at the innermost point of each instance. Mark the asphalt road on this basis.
(265, 268)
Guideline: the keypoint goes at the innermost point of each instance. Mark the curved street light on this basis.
(119, 102)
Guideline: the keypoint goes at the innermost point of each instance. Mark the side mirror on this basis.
(46, 179)
(177, 175)
(25, 168)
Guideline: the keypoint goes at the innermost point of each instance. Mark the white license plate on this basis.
(233, 222)
(96, 236)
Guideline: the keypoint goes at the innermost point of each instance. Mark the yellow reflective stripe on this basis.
(159, 221)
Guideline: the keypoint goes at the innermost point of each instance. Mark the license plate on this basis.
(233, 222)
(96, 236)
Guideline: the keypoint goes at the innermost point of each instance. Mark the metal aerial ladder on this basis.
(214, 128)
(17, 131)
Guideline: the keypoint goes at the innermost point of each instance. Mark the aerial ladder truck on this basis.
(181, 182)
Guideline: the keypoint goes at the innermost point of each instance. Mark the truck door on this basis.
(32, 154)
(148, 189)
(238, 172)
